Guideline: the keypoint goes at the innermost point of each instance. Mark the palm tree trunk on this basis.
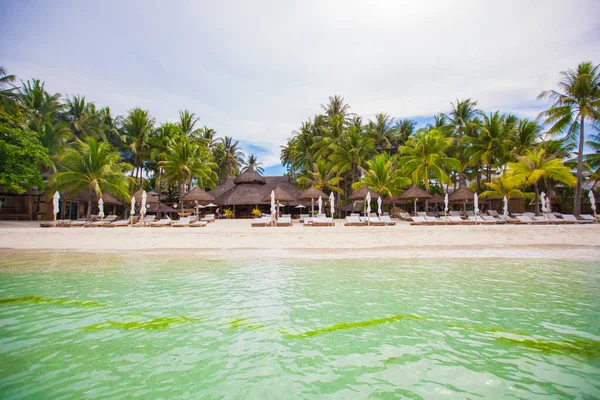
(577, 205)
(89, 210)
(478, 179)
(159, 191)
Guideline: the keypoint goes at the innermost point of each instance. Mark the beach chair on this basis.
(455, 214)
(405, 216)
(354, 221)
(209, 218)
(261, 222)
(586, 217)
(434, 220)
(421, 214)
(198, 224)
(469, 214)
(303, 217)
(284, 221)
(417, 221)
(184, 221)
(493, 213)
(161, 222)
(495, 220)
(102, 222)
(387, 220)
(322, 221)
(373, 220)
(571, 219)
(478, 219)
(454, 220)
(526, 220)
(122, 222)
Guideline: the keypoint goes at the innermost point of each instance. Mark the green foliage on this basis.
(22, 154)
(382, 176)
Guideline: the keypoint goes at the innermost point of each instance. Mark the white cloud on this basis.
(256, 70)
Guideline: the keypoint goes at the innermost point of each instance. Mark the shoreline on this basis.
(235, 239)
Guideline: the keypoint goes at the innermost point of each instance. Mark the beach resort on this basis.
(277, 201)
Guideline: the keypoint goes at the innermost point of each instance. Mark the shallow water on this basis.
(76, 325)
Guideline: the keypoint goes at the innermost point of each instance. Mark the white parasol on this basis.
(273, 208)
(368, 204)
(55, 205)
(379, 206)
(593, 204)
(446, 206)
(505, 211)
(132, 211)
(543, 201)
(332, 204)
(143, 207)
(320, 204)
(300, 206)
(101, 209)
(475, 205)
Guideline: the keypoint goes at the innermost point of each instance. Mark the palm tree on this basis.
(187, 124)
(336, 106)
(592, 160)
(138, 127)
(229, 157)
(576, 101)
(252, 162)
(424, 157)
(527, 135)
(405, 128)
(382, 131)
(82, 118)
(322, 176)
(185, 160)
(91, 167)
(39, 104)
(7, 89)
(536, 165)
(503, 186)
(382, 176)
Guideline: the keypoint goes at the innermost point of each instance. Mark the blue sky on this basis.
(256, 70)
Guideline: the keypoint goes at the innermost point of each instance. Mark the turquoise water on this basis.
(85, 326)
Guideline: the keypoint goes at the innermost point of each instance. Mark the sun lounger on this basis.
(209, 218)
(489, 218)
(60, 223)
(587, 217)
(198, 224)
(526, 220)
(421, 214)
(162, 222)
(478, 219)
(303, 217)
(324, 221)
(455, 214)
(147, 220)
(284, 221)
(184, 221)
(374, 221)
(405, 216)
(454, 220)
(102, 222)
(121, 222)
(354, 221)
(469, 214)
(261, 222)
(387, 220)
(571, 219)
(420, 221)
(493, 213)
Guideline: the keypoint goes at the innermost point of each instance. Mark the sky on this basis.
(254, 70)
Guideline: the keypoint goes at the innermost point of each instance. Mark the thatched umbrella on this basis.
(311, 194)
(280, 196)
(463, 194)
(361, 194)
(197, 195)
(415, 193)
(149, 198)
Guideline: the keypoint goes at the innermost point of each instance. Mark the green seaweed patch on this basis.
(157, 323)
(485, 329)
(244, 323)
(352, 325)
(583, 348)
(43, 300)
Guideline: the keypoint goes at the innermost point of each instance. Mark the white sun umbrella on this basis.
(505, 211)
(593, 204)
(101, 209)
(320, 204)
(143, 207)
(273, 208)
(55, 205)
(368, 204)
(543, 201)
(379, 206)
(300, 206)
(132, 211)
(475, 205)
(331, 204)
(446, 205)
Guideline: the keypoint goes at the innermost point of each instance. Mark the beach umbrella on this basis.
(463, 194)
(543, 201)
(505, 211)
(132, 211)
(55, 205)
(446, 206)
(311, 194)
(320, 204)
(379, 206)
(332, 204)
(475, 205)
(143, 207)
(415, 193)
(368, 205)
(101, 209)
(273, 208)
(300, 206)
(593, 203)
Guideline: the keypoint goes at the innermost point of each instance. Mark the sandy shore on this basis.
(236, 239)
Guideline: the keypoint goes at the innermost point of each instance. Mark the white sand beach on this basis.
(236, 239)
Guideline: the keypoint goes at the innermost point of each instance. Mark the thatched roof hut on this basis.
(149, 198)
(361, 194)
(436, 199)
(197, 194)
(249, 176)
(312, 193)
(415, 192)
(280, 196)
(462, 194)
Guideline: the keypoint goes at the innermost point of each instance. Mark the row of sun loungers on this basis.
(149, 220)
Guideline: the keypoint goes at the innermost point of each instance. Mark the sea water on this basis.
(81, 325)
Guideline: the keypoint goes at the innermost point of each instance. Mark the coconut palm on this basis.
(592, 160)
(382, 130)
(535, 165)
(382, 176)
(229, 157)
(7, 89)
(185, 160)
(424, 158)
(38, 104)
(576, 101)
(138, 126)
(91, 168)
(336, 106)
(527, 135)
(503, 186)
(322, 176)
(252, 162)
(82, 118)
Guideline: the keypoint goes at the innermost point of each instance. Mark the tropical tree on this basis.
(322, 176)
(252, 162)
(382, 176)
(503, 186)
(138, 126)
(383, 131)
(184, 160)
(592, 160)
(92, 168)
(39, 104)
(576, 101)
(535, 165)
(7, 89)
(526, 137)
(229, 157)
(82, 118)
(424, 158)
